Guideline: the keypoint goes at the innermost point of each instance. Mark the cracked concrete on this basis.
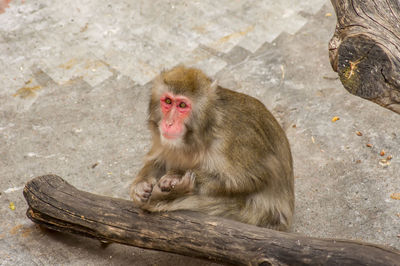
(73, 100)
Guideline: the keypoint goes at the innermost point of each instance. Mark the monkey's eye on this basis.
(182, 105)
(168, 101)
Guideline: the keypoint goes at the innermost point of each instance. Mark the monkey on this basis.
(215, 151)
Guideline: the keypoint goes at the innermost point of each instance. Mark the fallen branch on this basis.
(365, 49)
(59, 206)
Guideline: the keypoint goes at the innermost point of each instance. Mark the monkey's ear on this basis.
(158, 80)
(213, 86)
(158, 85)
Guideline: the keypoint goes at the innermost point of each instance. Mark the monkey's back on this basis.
(256, 143)
(248, 121)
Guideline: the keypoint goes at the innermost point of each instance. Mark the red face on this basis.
(175, 109)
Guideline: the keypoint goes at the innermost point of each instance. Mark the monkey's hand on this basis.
(141, 192)
(173, 186)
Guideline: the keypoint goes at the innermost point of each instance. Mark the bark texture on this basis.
(365, 49)
(57, 205)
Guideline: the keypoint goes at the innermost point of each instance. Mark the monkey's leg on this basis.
(225, 207)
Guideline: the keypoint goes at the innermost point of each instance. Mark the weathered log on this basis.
(59, 206)
(365, 49)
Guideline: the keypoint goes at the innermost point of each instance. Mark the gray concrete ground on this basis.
(74, 82)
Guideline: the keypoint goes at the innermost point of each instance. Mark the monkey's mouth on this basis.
(171, 135)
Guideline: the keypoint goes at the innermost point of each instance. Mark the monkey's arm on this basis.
(149, 172)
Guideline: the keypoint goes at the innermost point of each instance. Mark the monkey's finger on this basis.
(165, 184)
(146, 195)
(186, 183)
(147, 188)
(158, 194)
(166, 189)
(142, 197)
(174, 182)
(137, 199)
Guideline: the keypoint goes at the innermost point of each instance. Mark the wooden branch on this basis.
(365, 49)
(57, 205)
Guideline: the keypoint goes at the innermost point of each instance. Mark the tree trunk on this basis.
(365, 49)
(59, 206)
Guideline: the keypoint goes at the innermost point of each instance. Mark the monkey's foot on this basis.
(173, 186)
(141, 192)
(168, 182)
(177, 183)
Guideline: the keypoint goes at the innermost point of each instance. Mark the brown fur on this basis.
(236, 153)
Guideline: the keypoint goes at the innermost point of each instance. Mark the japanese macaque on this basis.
(215, 151)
